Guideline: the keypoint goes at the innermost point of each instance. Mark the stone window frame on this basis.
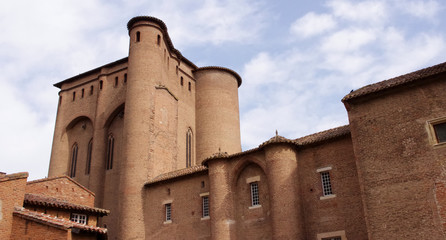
(167, 211)
(329, 235)
(203, 206)
(254, 191)
(431, 131)
(324, 183)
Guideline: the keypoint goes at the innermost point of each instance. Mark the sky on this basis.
(297, 59)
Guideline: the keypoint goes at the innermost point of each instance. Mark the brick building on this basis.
(50, 208)
(157, 139)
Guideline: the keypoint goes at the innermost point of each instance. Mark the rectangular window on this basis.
(205, 200)
(79, 218)
(168, 207)
(255, 201)
(440, 132)
(326, 185)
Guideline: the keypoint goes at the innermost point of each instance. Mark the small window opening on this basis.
(168, 208)
(79, 218)
(158, 40)
(138, 36)
(116, 81)
(255, 200)
(82, 93)
(168, 191)
(89, 151)
(440, 132)
(205, 203)
(202, 184)
(176, 70)
(326, 185)
(74, 150)
(181, 81)
(189, 87)
(189, 148)
(60, 100)
(125, 78)
(101, 83)
(74, 96)
(91, 90)
(110, 151)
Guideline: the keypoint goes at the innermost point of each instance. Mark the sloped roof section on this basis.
(45, 201)
(57, 177)
(55, 221)
(323, 136)
(176, 174)
(397, 81)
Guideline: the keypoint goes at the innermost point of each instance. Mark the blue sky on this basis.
(297, 58)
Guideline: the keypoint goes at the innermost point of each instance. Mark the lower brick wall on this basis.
(25, 229)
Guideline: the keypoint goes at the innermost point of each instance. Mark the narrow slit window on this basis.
(116, 81)
(91, 90)
(255, 200)
(73, 160)
(326, 184)
(89, 151)
(168, 208)
(82, 93)
(158, 40)
(110, 152)
(181, 81)
(189, 86)
(205, 200)
(189, 148)
(125, 78)
(74, 96)
(138, 36)
(100, 84)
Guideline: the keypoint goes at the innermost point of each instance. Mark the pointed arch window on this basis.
(189, 148)
(89, 151)
(74, 150)
(110, 150)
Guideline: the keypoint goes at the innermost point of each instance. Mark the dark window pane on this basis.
(440, 132)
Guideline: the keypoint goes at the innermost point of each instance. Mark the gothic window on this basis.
(189, 148)
(74, 150)
(90, 149)
(110, 151)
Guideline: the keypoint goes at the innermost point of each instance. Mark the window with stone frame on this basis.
(255, 198)
(79, 218)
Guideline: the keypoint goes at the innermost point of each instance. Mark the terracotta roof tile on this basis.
(41, 200)
(397, 81)
(55, 221)
(13, 176)
(176, 174)
(323, 136)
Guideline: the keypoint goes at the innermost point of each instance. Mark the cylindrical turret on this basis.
(217, 112)
(281, 162)
(145, 69)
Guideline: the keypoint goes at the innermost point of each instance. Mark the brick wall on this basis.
(62, 188)
(12, 192)
(25, 229)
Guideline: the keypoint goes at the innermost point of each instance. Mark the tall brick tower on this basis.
(124, 123)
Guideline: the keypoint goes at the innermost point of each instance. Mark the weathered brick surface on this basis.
(26, 229)
(62, 188)
(397, 165)
(12, 192)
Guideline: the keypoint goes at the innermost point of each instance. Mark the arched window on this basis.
(110, 150)
(74, 150)
(90, 149)
(189, 148)
(138, 36)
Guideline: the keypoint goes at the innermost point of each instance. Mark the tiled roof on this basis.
(397, 81)
(41, 200)
(13, 176)
(230, 71)
(303, 141)
(323, 136)
(55, 221)
(176, 174)
(57, 177)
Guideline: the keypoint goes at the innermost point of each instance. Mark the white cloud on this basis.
(348, 40)
(422, 9)
(312, 24)
(371, 11)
